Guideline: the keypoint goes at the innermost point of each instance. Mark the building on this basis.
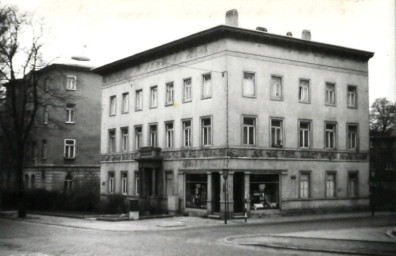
(382, 169)
(62, 153)
(285, 118)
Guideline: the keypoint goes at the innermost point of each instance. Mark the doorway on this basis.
(216, 192)
(239, 189)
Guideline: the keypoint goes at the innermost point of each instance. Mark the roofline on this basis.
(223, 31)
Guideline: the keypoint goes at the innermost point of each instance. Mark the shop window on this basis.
(330, 185)
(305, 185)
(124, 183)
(153, 135)
(249, 87)
(264, 191)
(196, 189)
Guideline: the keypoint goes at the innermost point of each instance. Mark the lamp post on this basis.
(225, 188)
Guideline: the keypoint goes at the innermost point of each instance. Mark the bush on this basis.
(114, 204)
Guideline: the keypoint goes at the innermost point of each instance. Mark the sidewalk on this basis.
(172, 223)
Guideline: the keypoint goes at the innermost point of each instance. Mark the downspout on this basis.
(227, 117)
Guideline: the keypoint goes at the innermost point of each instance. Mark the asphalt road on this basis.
(35, 239)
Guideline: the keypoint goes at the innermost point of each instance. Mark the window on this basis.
(137, 182)
(330, 94)
(330, 136)
(196, 191)
(112, 141)
(352, 137)
(304, 185)
(169, 94)
(276, 133)
(304, 133)
(187, 133)
(33, 151)
(330, 184)
(248, 85)
(125, 102)
(125, 139)
(169, 135)
(351, 97)
(206, 131)
(249, 131)
(276, 88)
(139, 100)
(71, 83)
(68, 184)
(70, 149)
(153, 135)
(187, 93)
(27, 184)
(70, 113)
(32, 181)
(153, 97)
(264, 191)
(303, 91)
(44, 149)
(138, 137)
(352, 184)
(45, 115)
(206, 86)
(111, 182)
(124, 183)
(112, 105)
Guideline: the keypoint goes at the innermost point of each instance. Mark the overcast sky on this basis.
(114, 29)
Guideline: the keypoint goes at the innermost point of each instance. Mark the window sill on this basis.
(70, 123)
(276, 99)
(204, 98)
(69, 158)
(352, 107)
(112, 115)
(330, 105)
(276, 146)
(304, 102)
(169, 104)
(137, 110)
(153, 107)
(125, 112)
(249, 96)
(187, 101)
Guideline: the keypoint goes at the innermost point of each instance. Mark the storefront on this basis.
(264, 191)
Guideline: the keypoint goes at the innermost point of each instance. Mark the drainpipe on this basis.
(225, 73)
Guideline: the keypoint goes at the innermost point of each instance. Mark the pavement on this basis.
(361, 241)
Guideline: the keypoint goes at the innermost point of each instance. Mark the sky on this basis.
(115, 29)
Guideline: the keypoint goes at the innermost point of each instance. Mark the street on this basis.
(29, 238)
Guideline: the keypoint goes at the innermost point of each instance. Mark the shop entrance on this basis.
(239, 189)
(216, 192)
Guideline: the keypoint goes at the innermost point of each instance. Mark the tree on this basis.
(382, 116)
(27, 89)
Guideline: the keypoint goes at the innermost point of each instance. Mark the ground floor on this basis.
(237, 185)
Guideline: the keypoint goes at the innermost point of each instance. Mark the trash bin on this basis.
(133, 209)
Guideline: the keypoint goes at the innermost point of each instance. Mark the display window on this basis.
(196, 189)
(264, 191)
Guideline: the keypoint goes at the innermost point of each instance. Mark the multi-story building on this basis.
(276, 122)
(62, 152)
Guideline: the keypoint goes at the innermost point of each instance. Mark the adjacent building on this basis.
(250, 119)
(62, 153)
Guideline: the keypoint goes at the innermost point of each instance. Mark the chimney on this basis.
(262, 29)
(231, 18)
(306, 35)
(289, 34)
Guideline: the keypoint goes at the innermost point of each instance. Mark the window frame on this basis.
(137, 106)
(70, 114)
(335, 135)
(45, 115)
(124, 183)
(124, 146)
(74, 88)
(310, 137)
(254, 95)
(184, 100)
(113, 111)
(73, 146)
(308, 173)
(356, 138)
(201, 119)
(282, 132)
(190, 133)
(136, 141)
(125, 106)
(349, 184)
(355, 106)
(335, 94)
(327, 175)
(281, 86)
(44, 149)
(112, 144)
(308, 101)
(137, 182)
(171, 92)
(203, 96)
(254, 117)
(172, 141)
(156, 135)
(111, 182)
(152, 88)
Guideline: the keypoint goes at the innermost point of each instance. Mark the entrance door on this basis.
(239, 189)
(216, 191)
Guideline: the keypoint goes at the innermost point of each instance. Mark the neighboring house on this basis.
(383, 170)
(62, 153)
(285, 118)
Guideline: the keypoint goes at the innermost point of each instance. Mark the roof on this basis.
(224, 31)
(76, 67)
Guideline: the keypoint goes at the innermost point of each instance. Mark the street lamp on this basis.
(225, 188)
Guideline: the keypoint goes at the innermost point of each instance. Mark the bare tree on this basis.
(29, 87)
(382, 116)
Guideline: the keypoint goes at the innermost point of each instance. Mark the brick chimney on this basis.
(306, 35)
(262, 29)
(231, 18)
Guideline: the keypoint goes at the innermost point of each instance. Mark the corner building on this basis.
(285, 117)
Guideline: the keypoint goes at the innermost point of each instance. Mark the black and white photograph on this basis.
(197, 127)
